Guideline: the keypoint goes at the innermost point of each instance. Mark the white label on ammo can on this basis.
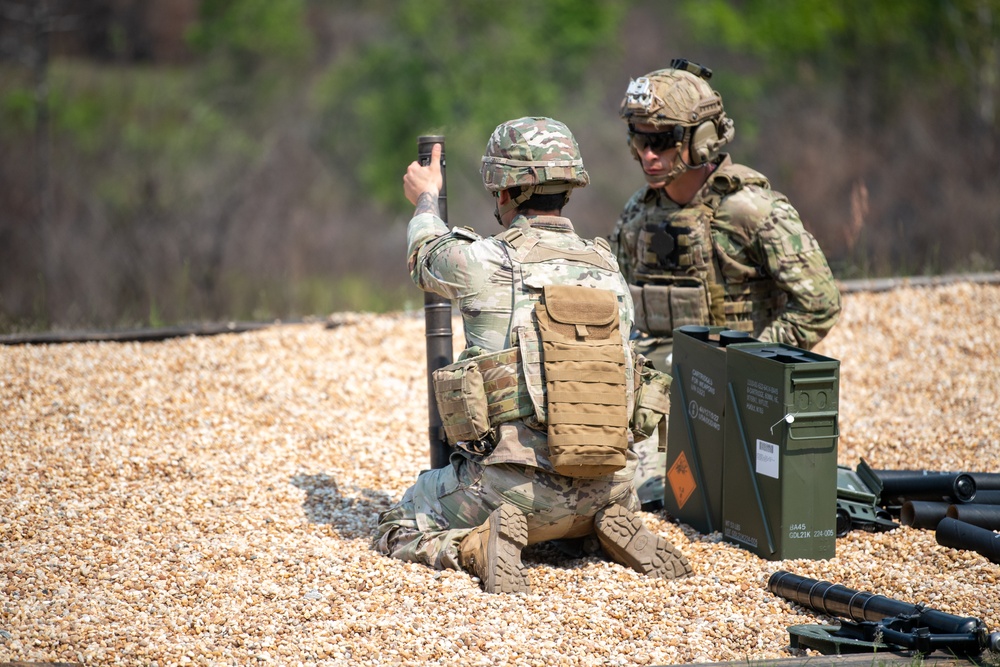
(767, 459)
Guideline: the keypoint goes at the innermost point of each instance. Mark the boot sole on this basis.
(627, 541)
(508, 535)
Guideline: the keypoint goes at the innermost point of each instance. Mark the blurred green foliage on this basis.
(250, 32)
(457, 67)
(159, 172)
(889, 49)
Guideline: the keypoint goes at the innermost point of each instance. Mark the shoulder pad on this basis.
(603, 242)
(512, 236)
(732, 177)
(466, 233)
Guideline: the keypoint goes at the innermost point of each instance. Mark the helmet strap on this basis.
(678, 167)
(526, 193)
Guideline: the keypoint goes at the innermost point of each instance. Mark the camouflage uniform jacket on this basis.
(494, 297)
(775, 278)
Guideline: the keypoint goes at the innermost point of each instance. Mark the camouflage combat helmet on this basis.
(540, 155)
(681, 99)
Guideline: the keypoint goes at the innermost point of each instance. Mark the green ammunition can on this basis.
(695, 432)
(780, 452)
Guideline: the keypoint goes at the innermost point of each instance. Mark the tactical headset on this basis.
(704, 139)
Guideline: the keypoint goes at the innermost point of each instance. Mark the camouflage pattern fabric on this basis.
(762, 249)
(444, 505)
(531, 151)
(762, 241)
(669, 97)
(478, 274)
(652, 463)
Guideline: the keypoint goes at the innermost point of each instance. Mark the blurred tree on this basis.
(891, 50)
(226, 180)
(459, 66)
(29, 44)
(253, 52)
(895, 105)
(149, 164)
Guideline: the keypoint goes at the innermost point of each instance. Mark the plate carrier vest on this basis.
(570, 371)
(683, 277)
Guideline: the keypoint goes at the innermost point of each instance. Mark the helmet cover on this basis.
(669, 97)
(536, 153)
(679, 96)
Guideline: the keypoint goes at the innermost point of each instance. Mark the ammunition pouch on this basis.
(661, 308)
(461, 401)
(477, 394)
(584, 363)
(751, 305)
(652, 398)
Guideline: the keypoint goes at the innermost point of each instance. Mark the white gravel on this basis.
(211, 500)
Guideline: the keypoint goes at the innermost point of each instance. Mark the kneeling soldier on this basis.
(541, 406)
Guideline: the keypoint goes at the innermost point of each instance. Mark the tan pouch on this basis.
(505, 384)
(461, 400)
(530, 347)
(689, 305)
(584, 363)
(656, 307)
(640, 308)
(652, 398)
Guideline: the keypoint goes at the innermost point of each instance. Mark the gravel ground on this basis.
(211, 500)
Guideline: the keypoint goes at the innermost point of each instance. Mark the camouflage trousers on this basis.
(649, 477)
(445, 504)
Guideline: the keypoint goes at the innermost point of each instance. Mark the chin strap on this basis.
(676, 169)
(527, 192)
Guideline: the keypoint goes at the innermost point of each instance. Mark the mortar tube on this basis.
(987, 497)
(983, 516)
(437, 323)
(986, 481)
(957, 632)
(903, 485)
(961, 535)
(923, 514)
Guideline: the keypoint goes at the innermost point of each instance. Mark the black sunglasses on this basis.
(656, 141)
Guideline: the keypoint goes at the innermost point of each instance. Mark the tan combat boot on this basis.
(627, 541)
(492, 552)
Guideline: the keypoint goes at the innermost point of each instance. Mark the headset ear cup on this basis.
(703, 142)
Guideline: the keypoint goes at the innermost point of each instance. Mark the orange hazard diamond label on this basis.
(681, 480)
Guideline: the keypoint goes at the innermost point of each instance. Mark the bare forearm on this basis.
(427, 202)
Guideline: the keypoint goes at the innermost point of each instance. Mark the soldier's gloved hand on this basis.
(420, 179)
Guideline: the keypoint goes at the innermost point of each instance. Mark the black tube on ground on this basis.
(961, 535)
(903, 485)
(988, 497)
(984, 516)
(923, 514)
(986, 481)
(837, 600)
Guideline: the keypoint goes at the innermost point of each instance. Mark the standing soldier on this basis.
(539, 404)
(707, 241)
